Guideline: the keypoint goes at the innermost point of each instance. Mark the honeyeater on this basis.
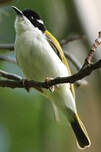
(40, 56)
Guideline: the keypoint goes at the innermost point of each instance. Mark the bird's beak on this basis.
(20, 13)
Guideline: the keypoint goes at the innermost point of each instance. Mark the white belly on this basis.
(38, 61)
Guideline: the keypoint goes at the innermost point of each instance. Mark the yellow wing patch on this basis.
(60, 53)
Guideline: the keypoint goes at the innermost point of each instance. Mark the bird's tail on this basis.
(80, 132)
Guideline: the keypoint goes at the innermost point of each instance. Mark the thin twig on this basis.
(73, 60)
(7, 47)
(70, 39)
(92, 51)
(10, 76)
(8, 59)
(77, 64)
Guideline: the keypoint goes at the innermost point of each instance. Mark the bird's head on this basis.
(27, 19)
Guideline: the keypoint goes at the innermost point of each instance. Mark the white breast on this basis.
(36, 54)
(38, 61)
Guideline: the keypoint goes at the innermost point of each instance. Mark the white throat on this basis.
(22, 24)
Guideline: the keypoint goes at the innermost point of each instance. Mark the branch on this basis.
(60, 80)
(77, 64)
(92, 51)
(10, 76)
(87, 68)
(73, 60)
(7, 47)
(70, 57)
(8, 59)
(71, 38)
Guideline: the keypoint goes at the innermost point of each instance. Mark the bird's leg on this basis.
(55, 110)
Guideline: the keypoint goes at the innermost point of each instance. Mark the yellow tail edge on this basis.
(80, 132)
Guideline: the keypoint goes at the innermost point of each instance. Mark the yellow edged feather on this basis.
(54, 43)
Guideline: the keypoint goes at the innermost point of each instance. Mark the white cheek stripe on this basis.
(40, 21)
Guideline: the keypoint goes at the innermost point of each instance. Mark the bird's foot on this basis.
(52, 88)
(23, 82)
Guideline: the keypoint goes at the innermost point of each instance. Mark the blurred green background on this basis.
(26, 119)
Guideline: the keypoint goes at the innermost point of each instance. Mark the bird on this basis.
(41, 58)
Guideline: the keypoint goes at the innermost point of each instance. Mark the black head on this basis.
(32, 16)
